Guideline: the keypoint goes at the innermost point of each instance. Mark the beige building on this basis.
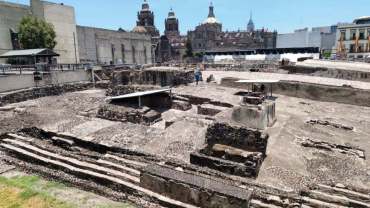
(103, 46)
(97, 45)
(61, 16)
(353, 40)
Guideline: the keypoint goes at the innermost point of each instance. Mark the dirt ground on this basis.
(288, 165)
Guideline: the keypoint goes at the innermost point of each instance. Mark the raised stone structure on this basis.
(232, 149)
(153, 76)
(197, 190)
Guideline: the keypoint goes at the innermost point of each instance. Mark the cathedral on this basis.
(171, 46)
(209, 36)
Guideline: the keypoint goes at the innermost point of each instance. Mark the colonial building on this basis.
(171, 46)
(61, 16)
(79, 43)
(209, 36)
(353, 40)
(103, 46)
(146, 24)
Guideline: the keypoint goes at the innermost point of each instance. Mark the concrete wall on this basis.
(96, 46)
(322, 37)
(10, 16)
(16, 82)
(63, 19)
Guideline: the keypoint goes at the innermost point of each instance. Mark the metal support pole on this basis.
(271, 89)
(139, 101)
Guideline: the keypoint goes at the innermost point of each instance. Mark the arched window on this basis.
(145, 56)
(123, 53)
(133, 55)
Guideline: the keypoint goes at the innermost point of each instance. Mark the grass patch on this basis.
(24, 192)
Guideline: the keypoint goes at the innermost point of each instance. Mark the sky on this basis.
(281, 15)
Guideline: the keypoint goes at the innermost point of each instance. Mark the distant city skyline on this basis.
(282, 15)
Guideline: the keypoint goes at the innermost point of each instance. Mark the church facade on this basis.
(209, 36)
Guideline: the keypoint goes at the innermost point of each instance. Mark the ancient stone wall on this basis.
(153, 77)
(144, 116)
(329, 72)
(237, 136)
(37, 92)
(325, 93)
(193, 189)
(117, 90)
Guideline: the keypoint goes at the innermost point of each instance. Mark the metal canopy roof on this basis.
(138, 94)
(259, 81)
(29, 52)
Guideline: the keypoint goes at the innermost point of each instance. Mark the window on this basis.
(342, 35)
(353, 34)
(133, 55)
(145, 56)
(368, 33)
(113, 50)
(123, 53)
(362, 34)
(352, 48)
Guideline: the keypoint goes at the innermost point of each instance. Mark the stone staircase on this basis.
(109, 170)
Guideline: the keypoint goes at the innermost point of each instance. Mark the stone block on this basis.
(194, 189)
(237, 136)
(181, 105)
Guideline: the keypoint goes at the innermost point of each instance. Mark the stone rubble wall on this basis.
(237, 136)
(325, 93)
(329, 72)
(153, 77)
(193, 189)
(128, 89)
(144, 116)
(37, 92)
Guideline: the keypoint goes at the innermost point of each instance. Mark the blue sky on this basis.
(282, 15)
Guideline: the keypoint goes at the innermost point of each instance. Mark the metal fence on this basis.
(19, 69)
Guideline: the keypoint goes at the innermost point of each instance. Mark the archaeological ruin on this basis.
(152, 137)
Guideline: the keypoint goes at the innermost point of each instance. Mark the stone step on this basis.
(345, 192)
(340, 200)
(73, 161)
(259, 204)
(319, 204)
(131, 171)
(16, 136)
(126, 161)
(127, 185)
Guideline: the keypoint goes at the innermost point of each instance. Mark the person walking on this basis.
(197, 75)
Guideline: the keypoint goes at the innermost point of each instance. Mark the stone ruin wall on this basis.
(325, 93)
(152, 77)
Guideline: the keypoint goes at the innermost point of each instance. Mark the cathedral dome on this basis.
(139, 29)
(211, 16)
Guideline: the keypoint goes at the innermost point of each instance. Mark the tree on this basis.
(189, 49)
(36, 33)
